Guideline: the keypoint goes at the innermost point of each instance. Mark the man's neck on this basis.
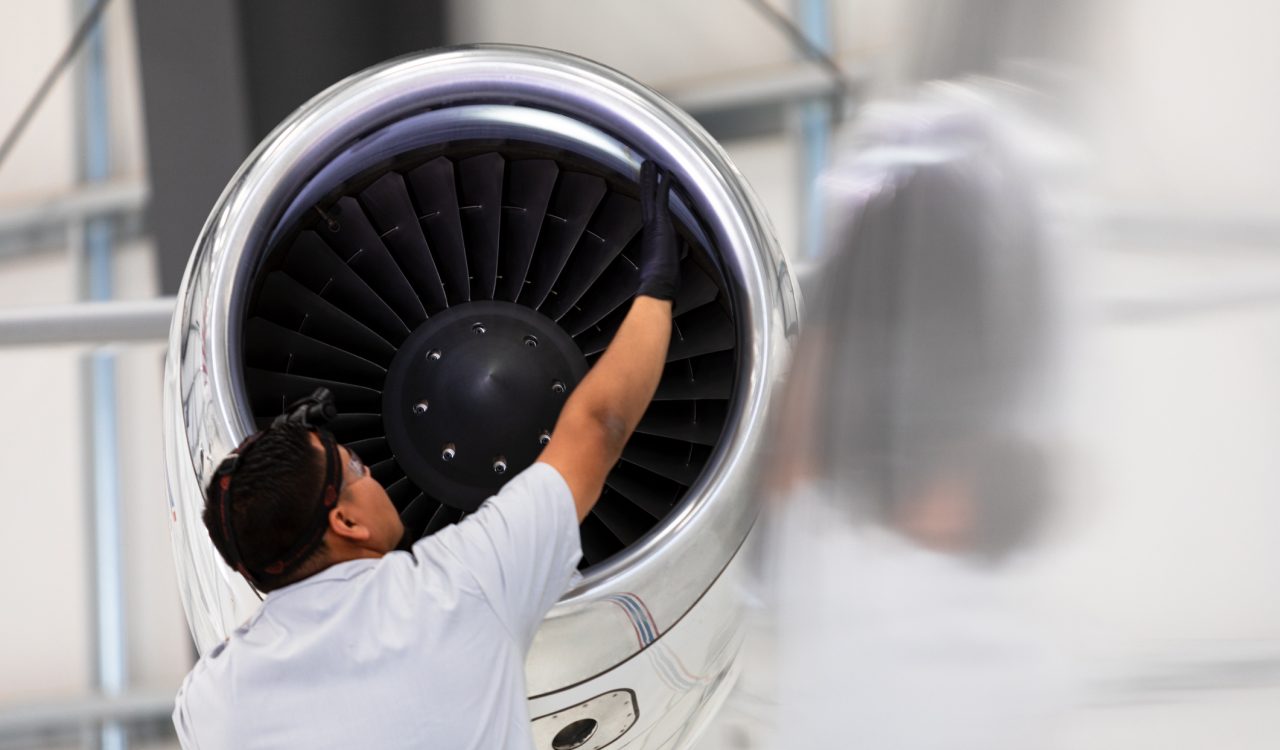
(339, 553)
(352, 553)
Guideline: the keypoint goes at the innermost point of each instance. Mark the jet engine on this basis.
(476, 209)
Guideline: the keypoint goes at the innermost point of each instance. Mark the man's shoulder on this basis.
(536, 488)
(541, 482)
(203, 677)
(218, 655)
(213, 664)
(202, 705)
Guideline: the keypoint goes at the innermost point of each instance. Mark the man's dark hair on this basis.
(272, 502)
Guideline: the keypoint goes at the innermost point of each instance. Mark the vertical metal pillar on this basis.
(815, 117)
(108, 573)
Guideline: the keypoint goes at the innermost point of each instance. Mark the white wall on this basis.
(662, 43)
(1182, 101)
(46, 635)
(44, 632)
(43, 163)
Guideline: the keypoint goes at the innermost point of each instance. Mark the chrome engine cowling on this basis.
(496, 183)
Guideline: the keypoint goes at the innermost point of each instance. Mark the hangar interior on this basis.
(1148, 125)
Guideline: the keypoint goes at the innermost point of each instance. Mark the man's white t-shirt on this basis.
(408, 651)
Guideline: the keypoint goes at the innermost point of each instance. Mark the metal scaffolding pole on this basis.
(815, 118)
(87, 323)
(110, 644)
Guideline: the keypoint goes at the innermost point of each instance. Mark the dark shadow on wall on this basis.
(218, 75)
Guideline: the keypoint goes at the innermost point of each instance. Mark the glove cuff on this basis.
(664, 290)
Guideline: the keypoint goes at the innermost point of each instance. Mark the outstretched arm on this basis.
(607, 405)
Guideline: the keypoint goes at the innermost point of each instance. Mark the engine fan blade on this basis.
(270, 346)
(625, 521)
(390, 209)
(528, 191)
(356, 426)
(402, 493)
(435, 194)
(573, 202)
(386, 472)
(480, 198)
(705, 330)
(356, 241)
(596, 338)
(443, 516)
(707, 377)
(691, 421)
(290, 304)
(370, 450)
(602, 310)
(696, 287)
(612, 290)
(674, 459)
(418, 513)
(598, 543)
(654, 494)
(609, 231)
(270, 392)
(313, 263)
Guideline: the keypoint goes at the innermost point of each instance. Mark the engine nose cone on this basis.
(470, 394)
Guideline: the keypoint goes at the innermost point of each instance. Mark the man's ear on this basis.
(347, 526)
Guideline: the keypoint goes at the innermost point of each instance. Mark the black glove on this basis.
(659, 246)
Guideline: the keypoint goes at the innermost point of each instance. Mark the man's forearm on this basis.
(618, 389)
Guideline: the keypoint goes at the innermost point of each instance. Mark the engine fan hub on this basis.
(471, 395)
